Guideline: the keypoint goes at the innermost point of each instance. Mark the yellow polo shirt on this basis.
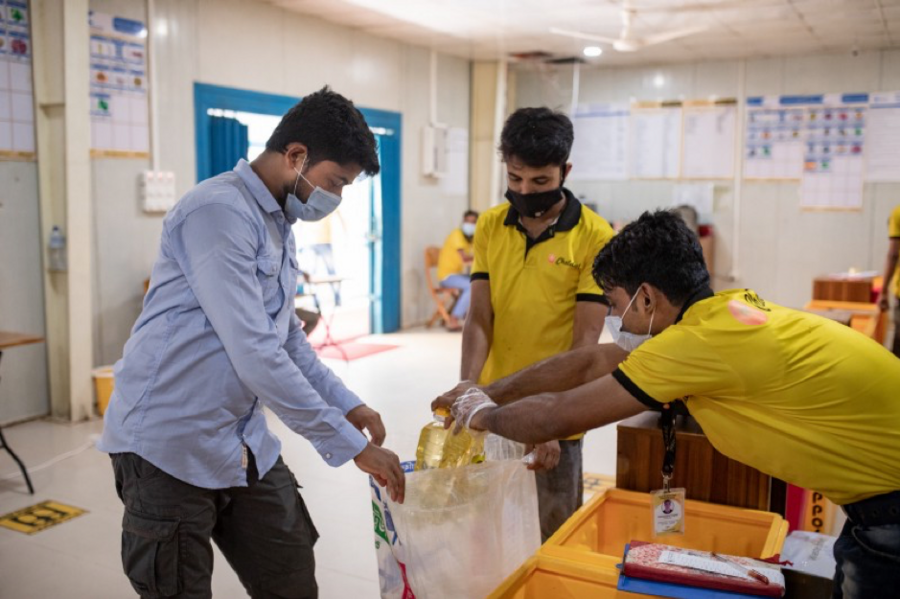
(449, 260)
(797, 396)
(536, 283)
(894, 233)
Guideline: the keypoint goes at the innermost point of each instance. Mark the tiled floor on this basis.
(80, 559)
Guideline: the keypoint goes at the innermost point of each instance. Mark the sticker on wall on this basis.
(41, 516)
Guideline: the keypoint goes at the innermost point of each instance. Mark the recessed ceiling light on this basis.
(593, 51)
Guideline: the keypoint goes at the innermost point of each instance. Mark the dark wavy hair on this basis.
(537, 137)
(659, 249)
(331, 128)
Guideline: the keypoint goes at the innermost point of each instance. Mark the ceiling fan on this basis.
(629, 41)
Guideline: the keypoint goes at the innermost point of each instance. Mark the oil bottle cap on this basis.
(441, 414)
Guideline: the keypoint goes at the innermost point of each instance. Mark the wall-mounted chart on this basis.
(118, 88)
(833, 155)
(708, 142)
(600, 150)
(883, 137)
(773, 144)
(16, 91)
(655, 140)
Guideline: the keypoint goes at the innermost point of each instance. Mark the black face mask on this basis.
(534, 204)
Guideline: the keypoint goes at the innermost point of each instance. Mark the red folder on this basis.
(643, 561)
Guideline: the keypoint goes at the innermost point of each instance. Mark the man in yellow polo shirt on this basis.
(532, 291)
(453, 262)
(891, 285)
(797, 396)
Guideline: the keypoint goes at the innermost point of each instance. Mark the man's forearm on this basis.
(558, 373)
(890, 266)
(476, 345)
(530, 420)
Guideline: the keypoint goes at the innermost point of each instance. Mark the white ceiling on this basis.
(490, 29)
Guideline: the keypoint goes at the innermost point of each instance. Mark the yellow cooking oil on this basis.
(440, 448)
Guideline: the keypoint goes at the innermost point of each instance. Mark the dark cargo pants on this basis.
(560, 490)
(264, 531)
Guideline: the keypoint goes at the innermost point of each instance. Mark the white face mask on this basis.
(468, 229)
(320, 203)
(627, 341)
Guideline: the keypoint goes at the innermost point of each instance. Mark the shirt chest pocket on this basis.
(267, 270)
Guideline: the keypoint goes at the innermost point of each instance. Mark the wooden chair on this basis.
(439, 294)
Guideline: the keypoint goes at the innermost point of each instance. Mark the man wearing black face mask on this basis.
(533, 295)
(193, 457)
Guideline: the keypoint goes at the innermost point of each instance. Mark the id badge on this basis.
(668, 511)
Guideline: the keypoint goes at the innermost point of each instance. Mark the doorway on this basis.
(344, 255)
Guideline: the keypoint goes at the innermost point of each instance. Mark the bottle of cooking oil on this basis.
(440, 448)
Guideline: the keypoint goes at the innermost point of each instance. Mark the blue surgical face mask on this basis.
(468, 229)
(627, 341)
(318, 205)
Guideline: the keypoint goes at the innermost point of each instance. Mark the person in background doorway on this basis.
(218, 340)
(794, 395)
(453, 267)
(532, 292)
(890, 286)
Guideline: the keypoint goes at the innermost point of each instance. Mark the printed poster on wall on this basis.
(16, 91)
(833, 165)
(119, 95)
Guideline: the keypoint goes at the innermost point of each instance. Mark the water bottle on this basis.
(57, 248)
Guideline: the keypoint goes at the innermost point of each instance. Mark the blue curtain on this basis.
(227, 142)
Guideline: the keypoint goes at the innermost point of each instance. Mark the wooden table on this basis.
(706, 474)
(8, 340)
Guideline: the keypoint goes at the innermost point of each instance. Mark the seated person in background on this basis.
(794, 395)
(453, 266)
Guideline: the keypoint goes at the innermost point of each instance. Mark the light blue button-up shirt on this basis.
(217, 338)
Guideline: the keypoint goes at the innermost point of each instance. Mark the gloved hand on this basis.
(467, 406)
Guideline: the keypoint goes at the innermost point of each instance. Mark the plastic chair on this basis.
(439, 294)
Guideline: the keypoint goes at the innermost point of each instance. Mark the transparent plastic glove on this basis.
(469, 403)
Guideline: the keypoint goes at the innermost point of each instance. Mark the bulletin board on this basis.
(883, 137)
(655, 140)
(16, 89)
(709, 133)
(120, 124)
(600, 150)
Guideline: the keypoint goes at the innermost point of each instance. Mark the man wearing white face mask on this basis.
(217, 340)
(794, 395)
(453, 264)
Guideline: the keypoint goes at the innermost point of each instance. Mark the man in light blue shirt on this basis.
(216, 341)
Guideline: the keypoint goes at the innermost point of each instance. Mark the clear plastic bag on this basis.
(460, 532)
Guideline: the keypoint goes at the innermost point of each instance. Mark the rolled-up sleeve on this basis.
(217, 253)
(329, 386)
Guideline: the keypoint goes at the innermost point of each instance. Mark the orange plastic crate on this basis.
(596, 534)
(546, 578)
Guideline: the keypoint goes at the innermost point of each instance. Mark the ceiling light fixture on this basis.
(593, 51)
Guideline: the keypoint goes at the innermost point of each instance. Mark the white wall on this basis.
(256, 46)
(23, 370)
(781, 248)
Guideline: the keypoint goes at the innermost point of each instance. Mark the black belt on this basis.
(880, 510)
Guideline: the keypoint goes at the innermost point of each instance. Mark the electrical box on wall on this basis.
(434, 151)
(157, 190)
